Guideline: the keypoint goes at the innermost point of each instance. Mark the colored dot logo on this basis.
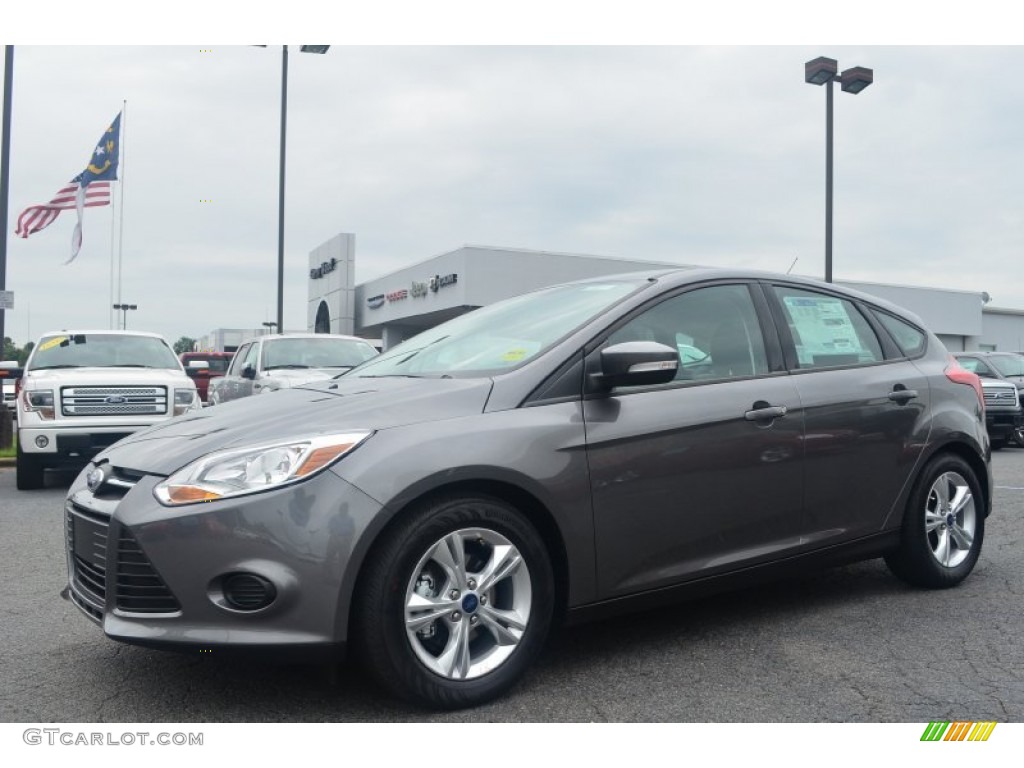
(206, 50)
(206, 200)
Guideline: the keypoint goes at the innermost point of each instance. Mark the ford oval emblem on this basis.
(116, 399)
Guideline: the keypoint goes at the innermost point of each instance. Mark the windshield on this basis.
(315, 353)
(1008, 365)
(102, 350)
(500, 336)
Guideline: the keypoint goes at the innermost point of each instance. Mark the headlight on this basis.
(183, 400)
(241, 471)
(39, 401)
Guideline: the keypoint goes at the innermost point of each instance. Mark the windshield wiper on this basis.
(289, 365)
(130, 365)
(51, 367)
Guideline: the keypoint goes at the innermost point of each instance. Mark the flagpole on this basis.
(113, 231)
(121, 166)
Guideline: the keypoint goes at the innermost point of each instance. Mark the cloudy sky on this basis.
(711, 154)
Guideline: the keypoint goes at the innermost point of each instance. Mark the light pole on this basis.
(124, 310)
(5, 158)
(270, 326)
(822, 71)
(280, 191)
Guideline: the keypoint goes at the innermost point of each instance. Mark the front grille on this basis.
(139, 587)
(86, 535)
(1001, 396)
(113, 401)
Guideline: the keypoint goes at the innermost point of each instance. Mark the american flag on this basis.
(37, 217)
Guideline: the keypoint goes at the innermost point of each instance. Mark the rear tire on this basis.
(454, 603)
(29, 471)
(943, 526)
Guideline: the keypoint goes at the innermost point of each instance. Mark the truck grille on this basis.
(113, 401)
(1001, 396)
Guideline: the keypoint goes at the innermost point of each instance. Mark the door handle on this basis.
(764, 414)
(902, 396)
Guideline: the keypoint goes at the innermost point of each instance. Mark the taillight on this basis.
(957, 373)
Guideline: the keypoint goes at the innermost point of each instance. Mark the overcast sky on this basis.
(693, 154)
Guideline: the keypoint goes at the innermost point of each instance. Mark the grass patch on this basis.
(7, 451)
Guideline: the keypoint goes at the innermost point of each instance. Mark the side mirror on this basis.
(636, 363)
(249, 372)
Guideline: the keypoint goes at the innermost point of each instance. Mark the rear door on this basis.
(864, 404)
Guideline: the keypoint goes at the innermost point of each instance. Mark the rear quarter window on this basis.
(909, 339)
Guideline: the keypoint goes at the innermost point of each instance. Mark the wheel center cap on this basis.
(470, 603)
(949, 519)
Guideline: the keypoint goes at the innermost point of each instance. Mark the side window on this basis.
(715, 331)
(827, 330)
(908, 338)
(236, 363)
(251, 356)
(974, 365)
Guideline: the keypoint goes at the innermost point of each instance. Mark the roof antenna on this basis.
(792, 265)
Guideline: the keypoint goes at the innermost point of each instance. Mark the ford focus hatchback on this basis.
(591, 447)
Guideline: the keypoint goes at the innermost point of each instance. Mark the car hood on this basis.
(334, 406)
(89, 377)
(293, 377)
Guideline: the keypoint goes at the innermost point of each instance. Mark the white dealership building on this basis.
(403, 303)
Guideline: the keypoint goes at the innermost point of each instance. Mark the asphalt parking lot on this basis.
(848, 645)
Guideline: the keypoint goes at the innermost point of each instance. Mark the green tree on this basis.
(184, 344)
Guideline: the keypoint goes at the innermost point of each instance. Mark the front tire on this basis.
(29, 471)
(943, 527)
(455, 602)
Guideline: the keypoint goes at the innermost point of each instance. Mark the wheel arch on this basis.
(535, 511)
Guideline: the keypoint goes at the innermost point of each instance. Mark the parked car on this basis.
(81, 391)
(1002, 376)
(10, 372)
(201, 367)
(269, 363)
(548, 458)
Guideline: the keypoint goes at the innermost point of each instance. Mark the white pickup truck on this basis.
(82, 391)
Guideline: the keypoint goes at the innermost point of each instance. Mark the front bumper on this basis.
(1002, 424)
(153, 575)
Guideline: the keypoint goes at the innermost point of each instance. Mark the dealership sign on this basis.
(328, 266)
(417, 290)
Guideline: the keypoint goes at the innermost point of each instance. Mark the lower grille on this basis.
(86, 534)
(139, 587)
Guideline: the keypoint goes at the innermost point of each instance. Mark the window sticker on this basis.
(56, 341)
(824, 330)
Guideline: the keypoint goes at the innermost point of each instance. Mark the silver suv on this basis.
(1002, 377)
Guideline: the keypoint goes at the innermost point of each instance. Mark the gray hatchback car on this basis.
(584, 449)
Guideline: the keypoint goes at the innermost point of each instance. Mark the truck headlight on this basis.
(241, 471)
(38, 401)
(184, 399)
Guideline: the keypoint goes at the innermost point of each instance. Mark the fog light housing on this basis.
(42, 441)
(247, 591)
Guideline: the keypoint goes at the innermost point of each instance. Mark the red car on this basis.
(216, 365)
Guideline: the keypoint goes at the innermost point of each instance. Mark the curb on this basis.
(7, 462)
